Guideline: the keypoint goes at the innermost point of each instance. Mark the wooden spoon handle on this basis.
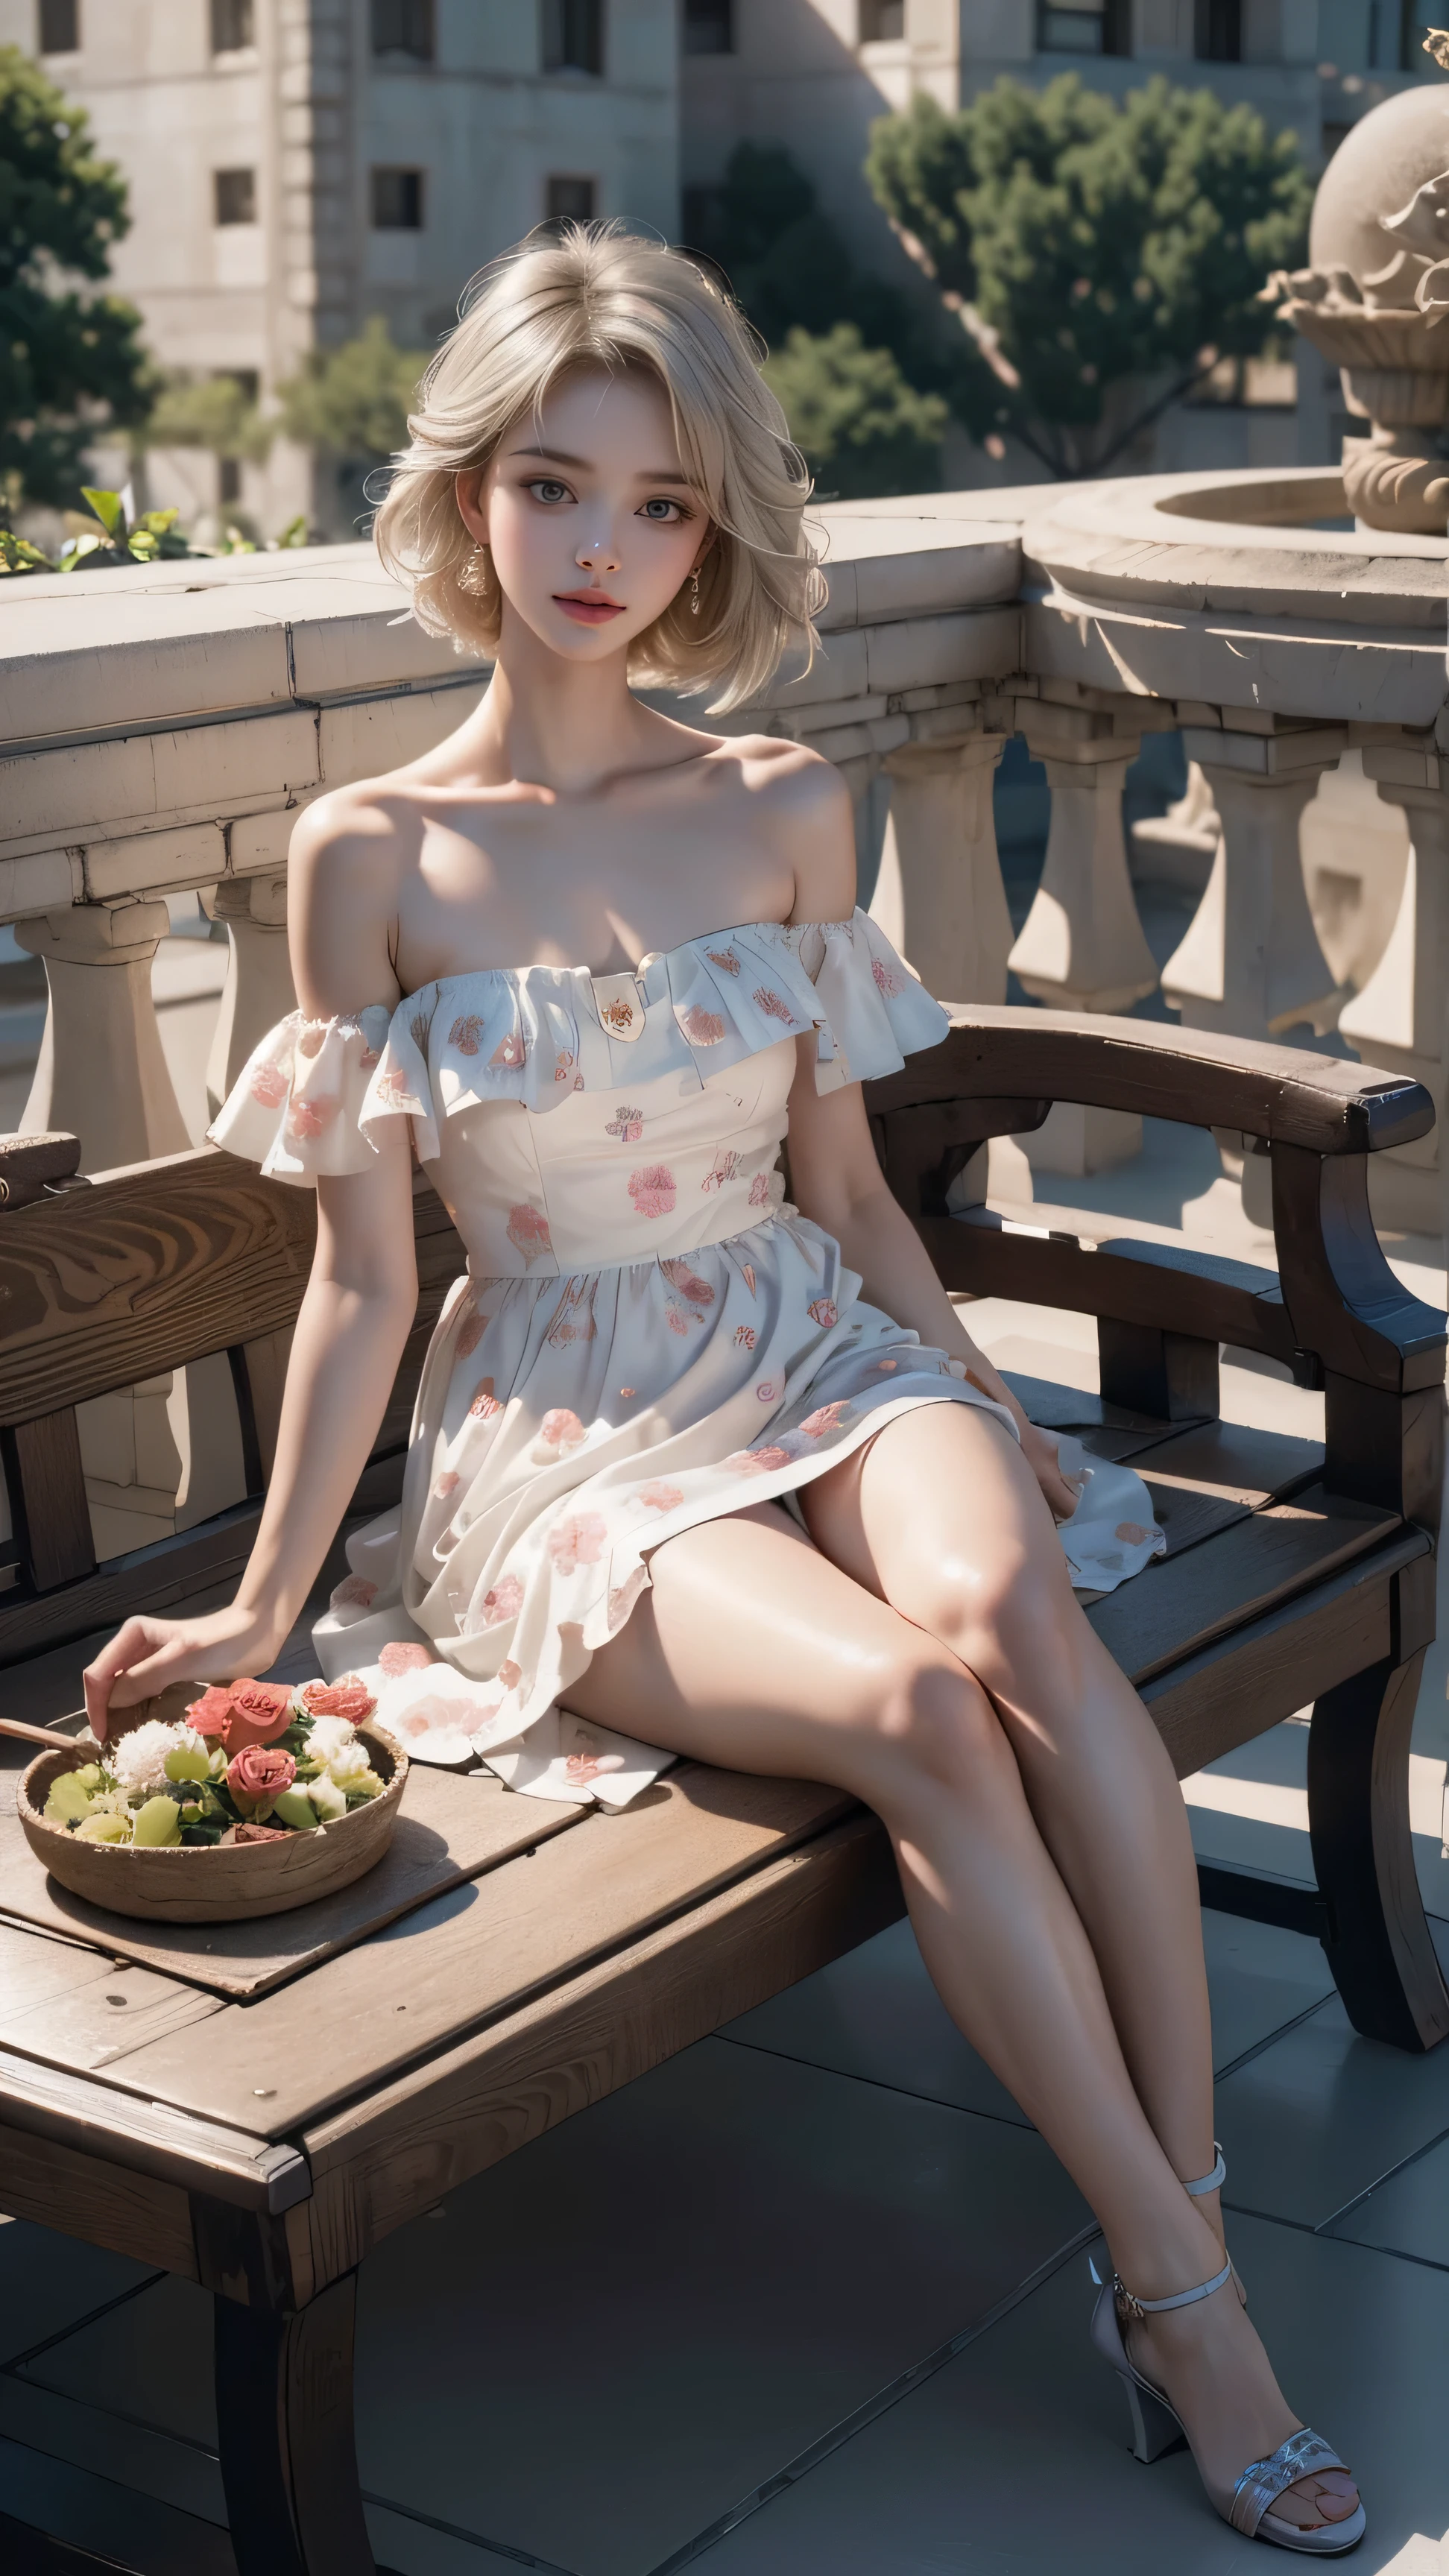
(37, 1734)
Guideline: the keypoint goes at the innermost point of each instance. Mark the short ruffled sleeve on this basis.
(308, 1095)
(872, 1008)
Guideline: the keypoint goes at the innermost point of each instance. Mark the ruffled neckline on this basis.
(789, 933)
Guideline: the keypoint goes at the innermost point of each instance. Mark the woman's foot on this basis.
(1208, 2360)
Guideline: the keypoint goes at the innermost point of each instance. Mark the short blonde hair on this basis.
(599, 295)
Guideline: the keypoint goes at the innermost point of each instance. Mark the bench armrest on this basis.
(1281, 1094)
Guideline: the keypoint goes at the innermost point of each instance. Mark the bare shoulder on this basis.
(800, 805)
(350, 853)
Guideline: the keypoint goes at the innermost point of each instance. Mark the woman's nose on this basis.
(597, 556)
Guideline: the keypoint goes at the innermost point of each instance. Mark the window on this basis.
(235, 196)
(233, 26)
(397, 201)
(1084, 26)
(1218, 31)
(709, 27)
(570, 201)
(228, 480)
(882, 22)
(404, 27)
(59, 30)
(573, 36)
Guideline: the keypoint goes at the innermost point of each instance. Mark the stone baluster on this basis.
(1398, 1020)
(1081, 947)
(939, 896)
(102, 1074)
(1249, 963)
(258, 990)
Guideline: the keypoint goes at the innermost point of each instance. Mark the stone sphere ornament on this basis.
(1375, 298)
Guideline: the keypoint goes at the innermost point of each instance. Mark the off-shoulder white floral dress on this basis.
(646, 1336)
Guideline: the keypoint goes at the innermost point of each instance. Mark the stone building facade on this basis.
(298, 165)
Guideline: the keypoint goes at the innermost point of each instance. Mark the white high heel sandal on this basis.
(1157, 2427)
(1198, 2191)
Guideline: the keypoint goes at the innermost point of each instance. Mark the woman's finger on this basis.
(119, 1675)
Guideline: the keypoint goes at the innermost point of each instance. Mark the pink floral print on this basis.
(652, 1190)
(574, 1315)
(394, 1086)
(563, 1065)
(774, 1005)
(577, 1541)
(354, 1592)
(308, 1118)
(725, 958)
(528, 1233)
(469, 1337)
(561, 1428)
(627, 1391)
(659, 1497)
(627, 1125)
(756, 1462)
(504, 1601)
(510, 1674)
(510, 1050)
(268, 1086)
(313, 1038)
(447, 1485)
(826, 1417)
(485, 1406)
(697, 1290)
(1132, 1533)
(823, 1311)
(368, 1058)
(583, 1767)
(465, 1032)
(886, 982)
(745, 1337)
(702, 1028)
(419, 1028)
(749, 1276)
(760, 1190)
(724, 1167)
(401, 1656)
(767, 1391)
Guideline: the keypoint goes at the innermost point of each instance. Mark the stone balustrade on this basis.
(162, 727)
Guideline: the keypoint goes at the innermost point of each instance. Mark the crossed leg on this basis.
(926, 1653)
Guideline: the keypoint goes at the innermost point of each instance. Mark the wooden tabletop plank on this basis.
(35, 1971)
(99, 2023)
(226, 2162)
(1179, 1606)
(481, 1950)
(451, 1826)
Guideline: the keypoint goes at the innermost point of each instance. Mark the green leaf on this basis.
(108, 507)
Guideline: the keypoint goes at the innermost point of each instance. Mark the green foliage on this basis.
(354, 400)
(1100, 255)
(71, 362)
(212, 412)
(849, 349)
(862, 428)
(112, 538)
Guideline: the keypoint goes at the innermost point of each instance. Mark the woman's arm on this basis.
(354, 1318)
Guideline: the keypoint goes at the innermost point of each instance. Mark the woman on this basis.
(665, 1457)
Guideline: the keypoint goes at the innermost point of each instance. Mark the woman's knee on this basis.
(938, 1732)
(1004, 1608)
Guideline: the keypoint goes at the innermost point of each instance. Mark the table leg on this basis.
(288, 2452)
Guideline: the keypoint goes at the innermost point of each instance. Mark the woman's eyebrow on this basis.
(584, 464)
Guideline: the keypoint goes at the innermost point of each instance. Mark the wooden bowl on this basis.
(212, 1882)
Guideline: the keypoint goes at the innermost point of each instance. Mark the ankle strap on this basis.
(1134, 2307)
(1208, 2182)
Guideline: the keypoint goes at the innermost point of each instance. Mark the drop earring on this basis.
(472, 575)
(694, 593)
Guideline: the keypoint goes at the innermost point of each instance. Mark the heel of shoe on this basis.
(1155, 2430)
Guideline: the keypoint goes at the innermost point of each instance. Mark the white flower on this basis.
(329, 1736)
(138, 1763)
(348, 1763)
(110, 1802)
(329, 1801)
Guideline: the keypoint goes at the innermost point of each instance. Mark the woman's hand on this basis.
(147, 1655)
(1039, 1448)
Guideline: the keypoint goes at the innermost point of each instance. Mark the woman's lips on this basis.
(587, 607)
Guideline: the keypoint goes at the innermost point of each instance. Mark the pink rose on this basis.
(652, 1190)
(562, 1429)
(348, 1698)
(577, 1541)
(528, 1233)
(398, 1656)
(257, 1776)
(268, 1085)
(239, 1714)
(661, 1498)
(306, 1119)
(503, 1602)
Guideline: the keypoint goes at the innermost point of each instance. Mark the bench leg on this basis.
(1377, 1939)
(288, 2454)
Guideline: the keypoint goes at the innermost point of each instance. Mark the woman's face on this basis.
(591, 518)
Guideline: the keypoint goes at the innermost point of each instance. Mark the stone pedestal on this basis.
(101, 1073)
(1178, 848)
(258, 990)
(939, 896)
(1250, 963)
(1355, 850)
(1398, 1020)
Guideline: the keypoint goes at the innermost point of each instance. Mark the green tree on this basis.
(862, 429)
(354, 400)
(214, 412)
(851, 363)
(71, 362)
(1099, 256)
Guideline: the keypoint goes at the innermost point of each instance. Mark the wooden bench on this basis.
(255, 2109)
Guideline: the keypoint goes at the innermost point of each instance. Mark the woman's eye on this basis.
(664, 513)
(548, 491)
